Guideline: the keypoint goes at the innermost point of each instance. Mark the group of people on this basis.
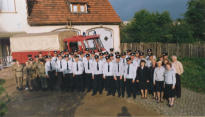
(127, 72)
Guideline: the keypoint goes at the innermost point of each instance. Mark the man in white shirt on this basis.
(78, 69)
(88, 72)
(118, 76)
(129, 76)
(50, 72)
(97, 74)
(68, 73)
(108, 73)
(59, 72)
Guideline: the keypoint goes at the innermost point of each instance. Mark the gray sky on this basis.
(127, 8)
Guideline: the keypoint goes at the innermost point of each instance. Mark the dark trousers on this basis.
(67, 81)
(97, 84)
(178, 86)
(52, 81)
(120, 86)
(88, 81)
(78, 83)
(44, 84)
(59, 85)
(110, 85)
(130, 87)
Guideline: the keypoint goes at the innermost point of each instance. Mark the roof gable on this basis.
(57, 12)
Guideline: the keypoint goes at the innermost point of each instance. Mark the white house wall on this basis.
(17, 22)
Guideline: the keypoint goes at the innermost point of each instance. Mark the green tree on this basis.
(147, 27)
(182, 32)
(3, 108)
(195, 16)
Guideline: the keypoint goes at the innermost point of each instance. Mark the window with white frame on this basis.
(7, 6)
(78, 7)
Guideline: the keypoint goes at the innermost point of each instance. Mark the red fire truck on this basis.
(32, 44)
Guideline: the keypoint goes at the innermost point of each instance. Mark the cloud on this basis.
(127, 8)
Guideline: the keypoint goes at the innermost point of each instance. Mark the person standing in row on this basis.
(68, 73)
(97, 75)
(25, 75)
(129, 77)
(18, 70)
(178, 67)
(31, 73)
(88, 72)
(50, 68)
(42, 74)
(78, 69)
(151, 73)
(159, 81)
(108, 72)
(59, 72)
(143, 79)
(170, 83)
(118, 76)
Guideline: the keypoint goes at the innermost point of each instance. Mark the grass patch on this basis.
(3, 107)
(194, 74)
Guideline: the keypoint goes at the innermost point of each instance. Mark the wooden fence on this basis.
(182, 50)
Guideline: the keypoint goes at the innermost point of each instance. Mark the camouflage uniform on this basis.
(25, 75)
(42, 75)
(31, 75)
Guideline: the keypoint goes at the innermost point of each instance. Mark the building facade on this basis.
(41, 16)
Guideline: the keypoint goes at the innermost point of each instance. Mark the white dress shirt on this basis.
(67, 67)
(59, 65)
(49, 66)
(159, 74)
(108, 69)
(119, 68)
(130, 71)
(88, 65)
(170, 77)
(97, 70)
(78, 68)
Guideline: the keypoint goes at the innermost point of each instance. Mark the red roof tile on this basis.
(56, 12)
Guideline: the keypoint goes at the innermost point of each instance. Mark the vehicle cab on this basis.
(82, 42)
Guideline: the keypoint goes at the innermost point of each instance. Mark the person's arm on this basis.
(181, 68)
(173, 80)
(154, 77)
(46, 69)
(138, 73)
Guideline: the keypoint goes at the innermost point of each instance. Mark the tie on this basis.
(118, 67)
(97, 66)
(108, 67)
(123, 60)
(77, 66)
(72, 60)
(88, 65)
(128, 69)
(60, 65)
(67, 65)
(50, 66)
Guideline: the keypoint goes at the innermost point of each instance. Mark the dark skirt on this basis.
(143, 85)
(159, 86)
(169, 92)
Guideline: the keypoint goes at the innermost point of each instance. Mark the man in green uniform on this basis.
(42, 74)
(18, 71)
(36, 80)
(31, 73)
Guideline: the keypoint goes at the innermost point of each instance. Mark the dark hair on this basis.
(169, 64)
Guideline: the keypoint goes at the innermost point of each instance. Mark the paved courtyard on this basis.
(67, 104)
